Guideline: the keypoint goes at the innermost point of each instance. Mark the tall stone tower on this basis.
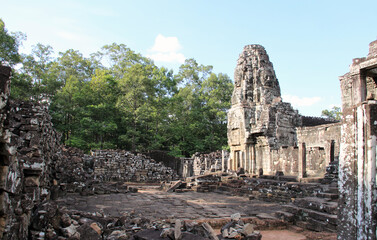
(258, 121)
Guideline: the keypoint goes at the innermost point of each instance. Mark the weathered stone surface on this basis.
(29, 147)
(357, 161)
(211, 233)
(204, 163)
(266, 134)
(177, 230)
(258, 121)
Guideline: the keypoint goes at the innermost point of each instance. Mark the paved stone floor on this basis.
(155, 204)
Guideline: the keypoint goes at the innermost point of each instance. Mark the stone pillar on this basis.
(235, 159)
(244, 159)
(302, 161)
(240, 163)
(253, 161)
(357, 174)
(357, 160)
(222, 161)
(249, 158)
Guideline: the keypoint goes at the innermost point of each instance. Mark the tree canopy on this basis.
(117, 98)
(9, 44)
(333, 114)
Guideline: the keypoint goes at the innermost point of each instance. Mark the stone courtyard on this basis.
(287, 176)
(214, 208)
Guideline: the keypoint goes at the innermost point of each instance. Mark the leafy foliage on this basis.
(119, 99)
(334, 114)
(9, 44)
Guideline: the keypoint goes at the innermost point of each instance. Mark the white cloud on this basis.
(166, 44)
(166, 49)
(301, 102)
(167, 57)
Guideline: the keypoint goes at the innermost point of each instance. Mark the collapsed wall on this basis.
(28, 146)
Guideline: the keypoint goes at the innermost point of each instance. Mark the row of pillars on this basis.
(244, 159)
(247, 159)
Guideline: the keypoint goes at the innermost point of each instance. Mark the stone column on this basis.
(253, 162)
(222, 160)
(302, 161)
(357, 178)
(244, 159)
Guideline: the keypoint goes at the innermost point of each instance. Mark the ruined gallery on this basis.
(306, 177)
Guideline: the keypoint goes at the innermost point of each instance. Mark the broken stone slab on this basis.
(69, 231)
(174, 186)
(265, 216)
(211, 233)
(167, 233)
(285, 216)
(118, 235)
(247, 229)
(177, 230)
(88, 233)
(235, 217)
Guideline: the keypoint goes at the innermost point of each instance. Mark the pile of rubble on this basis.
(113, 165)
(106, 171)
(50, 221)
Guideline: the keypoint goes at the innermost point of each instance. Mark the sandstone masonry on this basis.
(357, 165)
(265, 134)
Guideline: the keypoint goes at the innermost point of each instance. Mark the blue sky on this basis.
(310, 42)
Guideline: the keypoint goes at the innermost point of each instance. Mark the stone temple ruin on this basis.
(311, 177)
(266, 134)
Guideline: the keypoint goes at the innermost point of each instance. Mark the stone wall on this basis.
(204, 163)
(319, 145)
(166, 159)
(113, 165)
(357, 160)
(28, 146)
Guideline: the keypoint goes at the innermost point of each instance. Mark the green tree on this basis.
(216, 92)
(198, 119)
(22, 86)
(334, 114)
(9, 44)
(39, 65)
(73, 72)
(137, 93)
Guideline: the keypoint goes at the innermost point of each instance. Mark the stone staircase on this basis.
(317, 213)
